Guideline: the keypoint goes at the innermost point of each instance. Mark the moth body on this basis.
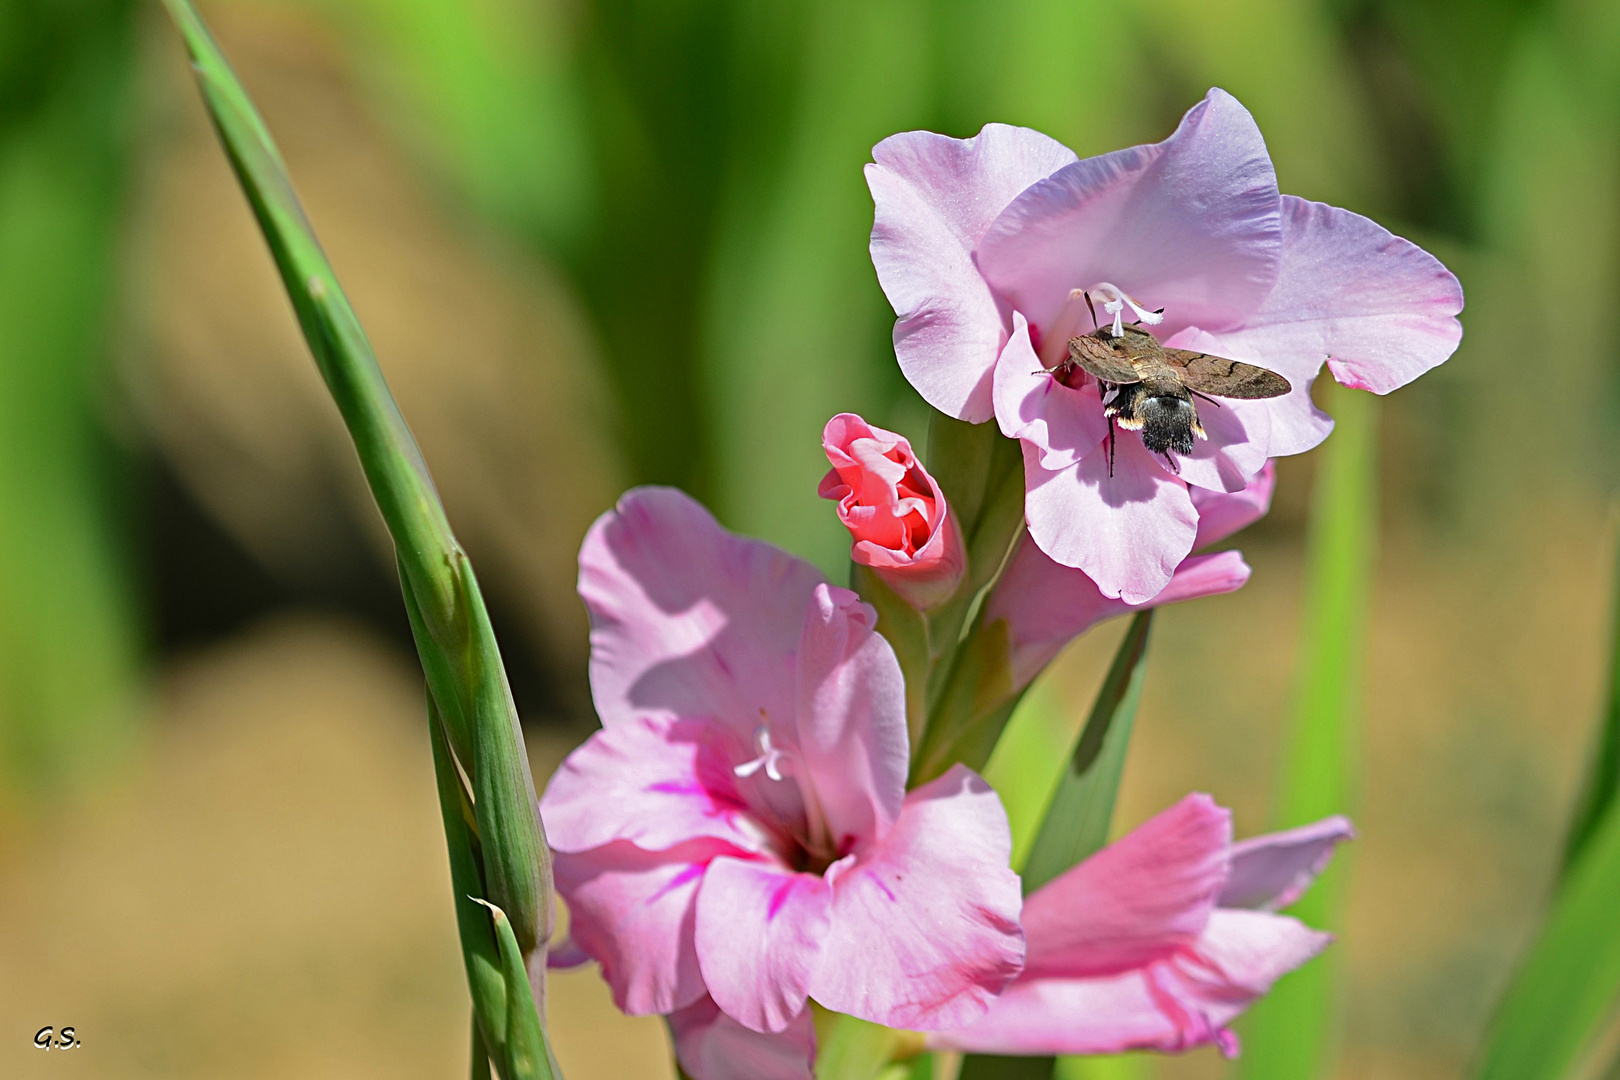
(1149, 389)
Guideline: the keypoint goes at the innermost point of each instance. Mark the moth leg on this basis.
(1110, 447)
(1206, 397)
(1170, 460)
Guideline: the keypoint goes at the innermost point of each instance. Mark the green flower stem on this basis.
(969, 686)
(467, 682)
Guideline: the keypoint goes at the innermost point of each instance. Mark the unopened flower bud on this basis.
(895, 511)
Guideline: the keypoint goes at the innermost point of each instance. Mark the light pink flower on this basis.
(740, 827)
(1046, 604)
(984, 246)
(1159, 940)
(902, 526)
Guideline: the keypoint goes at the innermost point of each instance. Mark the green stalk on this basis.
(1289, 1034)
(454, 639)
(970, 693)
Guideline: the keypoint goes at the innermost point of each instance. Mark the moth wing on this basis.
(1100, 358)
(1220, 377)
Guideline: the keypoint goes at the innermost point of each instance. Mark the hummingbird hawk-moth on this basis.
(1149, 388)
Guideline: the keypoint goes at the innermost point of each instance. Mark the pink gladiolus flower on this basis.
(1046, 604)
(986, 246)
(740, 828)
(1159, 940)
(897, 514)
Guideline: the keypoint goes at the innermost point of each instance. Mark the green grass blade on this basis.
(1603, 770)
(1566, 992)
(1077, 820)
(452, 629)
(68, 629)
(1289, 1034)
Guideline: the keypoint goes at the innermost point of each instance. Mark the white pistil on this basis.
(770, 758)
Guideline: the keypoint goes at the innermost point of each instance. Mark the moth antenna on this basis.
(1206, 397)
(1093, 319)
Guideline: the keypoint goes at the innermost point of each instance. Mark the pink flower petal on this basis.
(686, 618)
(712, 1046)
(1128, 531)
(655, 782)
(1065, 424)
(632, 912)
(1065, 1016)
(1270, 872)
(925, 925)
(1236, 450)
(1190, 224)
(1177, 1003)
(1137, 900)
(935, 197)
(1239, 956)
(1046, 605)
(759, 932)
(1378, 308)
(850, 725)
(1221, 513)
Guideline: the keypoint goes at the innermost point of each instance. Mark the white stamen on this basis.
(1116, 307)
(770, 758)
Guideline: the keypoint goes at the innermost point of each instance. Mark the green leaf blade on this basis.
(1289, 1034)
(1567, 989)
(1602, 779)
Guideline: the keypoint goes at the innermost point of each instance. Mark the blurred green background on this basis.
(605, 242)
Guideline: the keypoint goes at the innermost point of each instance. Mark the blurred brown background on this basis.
(603, 243)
